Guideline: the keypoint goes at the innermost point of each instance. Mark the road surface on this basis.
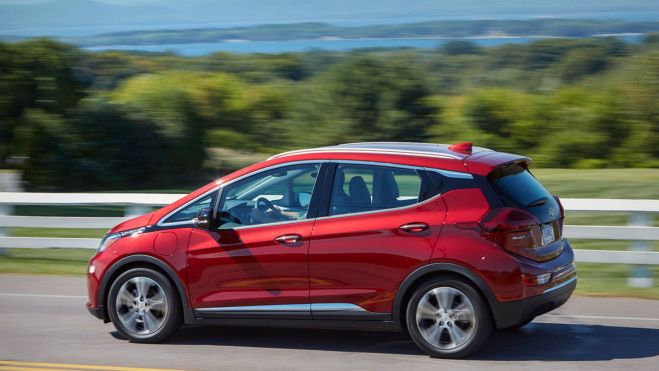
(43, 319)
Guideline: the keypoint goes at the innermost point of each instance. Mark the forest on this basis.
(75, 120)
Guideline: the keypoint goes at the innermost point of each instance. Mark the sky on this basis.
(117, 2)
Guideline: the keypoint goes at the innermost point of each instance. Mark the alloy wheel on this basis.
(446, 319)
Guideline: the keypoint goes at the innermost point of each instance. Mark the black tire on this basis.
(169, 319)
(478, 329)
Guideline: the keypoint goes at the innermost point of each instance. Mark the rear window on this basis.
(518, 188)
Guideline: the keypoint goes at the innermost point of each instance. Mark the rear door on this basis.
(380, 223)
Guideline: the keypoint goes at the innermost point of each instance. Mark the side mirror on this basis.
(304, 199)
(203, 219)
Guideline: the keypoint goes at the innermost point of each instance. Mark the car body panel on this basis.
(246, 266)
(362, 259)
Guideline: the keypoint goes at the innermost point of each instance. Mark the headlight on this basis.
(109, 239)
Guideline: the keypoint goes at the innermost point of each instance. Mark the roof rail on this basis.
(346, 149)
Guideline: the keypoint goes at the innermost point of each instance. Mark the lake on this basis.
(198, 49)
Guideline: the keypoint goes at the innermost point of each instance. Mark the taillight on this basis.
(507, 219)
(515, 230)
(536, 280)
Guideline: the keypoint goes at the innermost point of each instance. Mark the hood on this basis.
(137, 222)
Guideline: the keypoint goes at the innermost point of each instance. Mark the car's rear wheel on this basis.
(143, 306)
(447, 318)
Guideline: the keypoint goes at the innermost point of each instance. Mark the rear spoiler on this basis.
(483, 163)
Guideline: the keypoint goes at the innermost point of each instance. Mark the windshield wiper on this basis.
(538, 202)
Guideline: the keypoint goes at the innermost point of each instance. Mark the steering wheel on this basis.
(265, 205)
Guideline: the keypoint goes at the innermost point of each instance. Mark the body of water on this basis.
(198, 49)
(76, 31)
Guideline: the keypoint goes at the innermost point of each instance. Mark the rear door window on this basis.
(362, 188)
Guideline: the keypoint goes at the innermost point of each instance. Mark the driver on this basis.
(267, 212)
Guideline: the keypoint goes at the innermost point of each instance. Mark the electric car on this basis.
(445, 242)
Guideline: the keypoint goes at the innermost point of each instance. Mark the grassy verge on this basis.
(55, 232)
(46, 261)
(611, 280)
(601, 183)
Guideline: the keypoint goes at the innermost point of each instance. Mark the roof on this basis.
(397, 148)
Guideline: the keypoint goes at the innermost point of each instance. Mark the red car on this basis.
(444, 242)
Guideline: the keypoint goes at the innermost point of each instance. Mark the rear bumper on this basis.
(512, 313)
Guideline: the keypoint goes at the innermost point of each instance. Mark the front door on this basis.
(255, 259)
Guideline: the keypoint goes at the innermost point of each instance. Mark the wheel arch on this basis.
(143, 261)
(436, 269)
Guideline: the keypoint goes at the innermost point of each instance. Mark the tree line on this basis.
(77, 120)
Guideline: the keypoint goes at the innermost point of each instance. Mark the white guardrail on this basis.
(639, 229)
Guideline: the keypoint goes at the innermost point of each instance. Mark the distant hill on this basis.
(315, 30)
(96, 13)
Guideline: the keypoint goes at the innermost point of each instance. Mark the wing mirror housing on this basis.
(203, 220)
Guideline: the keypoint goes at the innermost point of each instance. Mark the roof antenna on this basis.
(464, 147)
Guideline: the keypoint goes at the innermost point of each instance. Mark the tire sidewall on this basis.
(481, 311)
(172, 320)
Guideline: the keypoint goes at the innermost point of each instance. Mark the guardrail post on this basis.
(135, 210)
(4, 232)
(641, 276)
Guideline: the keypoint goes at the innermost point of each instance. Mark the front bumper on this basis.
(98, 312)
(512, 313)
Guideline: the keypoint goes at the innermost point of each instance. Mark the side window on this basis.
(360, 188)
(277, 195)
(189, 212)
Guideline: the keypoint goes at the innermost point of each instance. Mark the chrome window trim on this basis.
(448, 173)
(451, 173)
(161, 222)
(389, 164)
(382, 210)
(305, 308)
(266, 224)
(356, 162)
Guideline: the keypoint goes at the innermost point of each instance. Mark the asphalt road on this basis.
(43, 319)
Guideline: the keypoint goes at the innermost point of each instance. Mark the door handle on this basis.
(414, 227)
(288, 239)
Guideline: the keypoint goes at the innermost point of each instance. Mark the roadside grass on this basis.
(611, 280)
(601, 183)
(46, 261)
(57, 232)
(594, 279)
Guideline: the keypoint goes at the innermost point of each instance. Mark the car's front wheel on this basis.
(447, 318)
(143, 306)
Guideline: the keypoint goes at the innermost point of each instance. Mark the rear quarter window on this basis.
(517, 187)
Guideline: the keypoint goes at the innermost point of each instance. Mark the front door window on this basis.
(278, 195)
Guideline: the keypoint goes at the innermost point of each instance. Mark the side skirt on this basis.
(333, 315)
(388, 326)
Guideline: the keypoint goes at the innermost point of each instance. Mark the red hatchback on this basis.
(444, 242)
